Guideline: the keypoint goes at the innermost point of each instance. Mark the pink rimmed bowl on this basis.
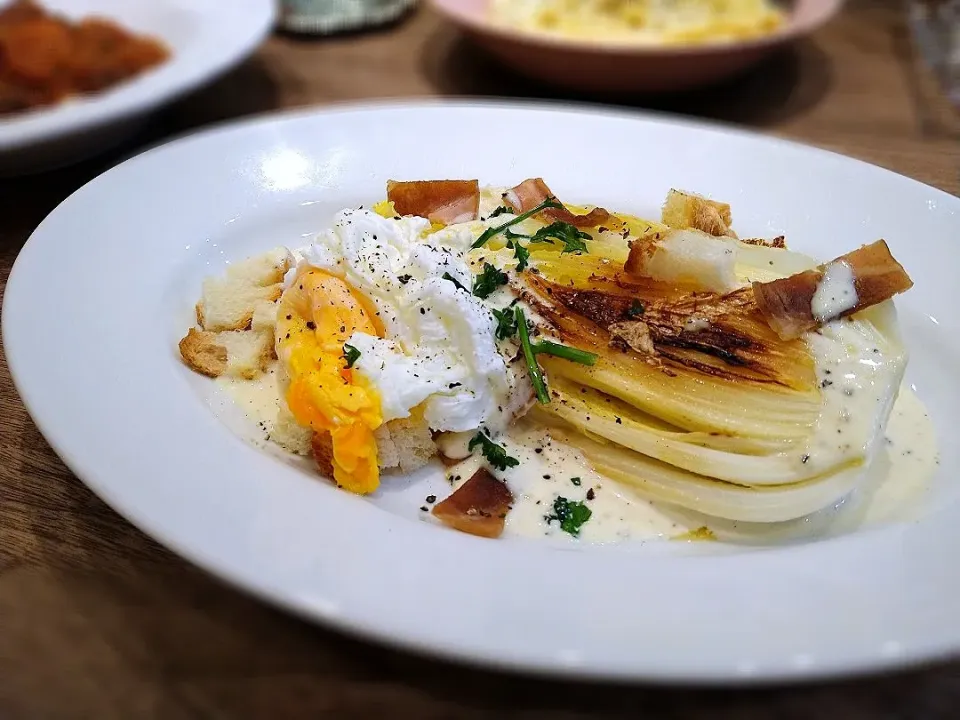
(599, 66)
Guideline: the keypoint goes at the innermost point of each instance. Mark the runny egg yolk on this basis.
(317, 314)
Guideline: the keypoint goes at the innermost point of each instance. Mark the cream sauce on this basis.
(891, 489)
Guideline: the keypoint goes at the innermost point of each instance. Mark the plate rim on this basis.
(383, 635)
(34, 127)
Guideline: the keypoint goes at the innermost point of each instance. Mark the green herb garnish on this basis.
(571, 515)
(488, 281)
(451, 278)
(571, 236)
(506, 324)
(566, 352)
(500, 211)
(350, 354)
(635, 310)
(495, 454)
(520, 253)
(533, 368)
(575, 481)
(494, 231)
(531, 350)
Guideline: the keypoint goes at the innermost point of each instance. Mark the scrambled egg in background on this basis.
(672, 22)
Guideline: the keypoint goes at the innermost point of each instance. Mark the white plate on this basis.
(104, 289)
(206, 38)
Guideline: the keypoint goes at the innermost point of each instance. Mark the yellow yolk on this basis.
(317, 314)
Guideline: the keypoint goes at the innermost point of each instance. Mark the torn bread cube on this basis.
(236, 353)
(405, 444)
(689, 211)
(229, 302)
(289, 434)
(264, 316)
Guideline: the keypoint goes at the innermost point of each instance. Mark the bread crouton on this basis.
(291, 435)
(203, 353)
(238, 353)
(229, 302)
(685, 210)
(264, 316)
(404, 444)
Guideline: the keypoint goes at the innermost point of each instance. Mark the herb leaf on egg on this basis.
(350, 354)
(488, 281)
(570, 514)
(495, 454)
(506, 323)
(501, 209)
(550, 202)
(451, 278)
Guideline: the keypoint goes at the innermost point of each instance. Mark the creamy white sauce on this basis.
(836, 293)
(893, 489)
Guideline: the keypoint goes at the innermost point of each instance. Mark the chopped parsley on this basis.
(451, 278)
(495, 454)
(506, 324)
(575, 481)
(488, 281)
(350, 354)
(489, 233)
(571, 236)
(635, 310)
(500, 211)
(404, 279)
(571, 515)
(521, 253)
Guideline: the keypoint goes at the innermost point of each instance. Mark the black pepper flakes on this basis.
(431, 499)
(311, 325)
(591, 494)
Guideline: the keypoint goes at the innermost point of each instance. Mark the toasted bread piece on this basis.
(201, 351)
(291, 435)
(264, 316)
(249, 352)
(404, 444)
(322, 446)
(686, 210)
(229, 302)
(240, 353)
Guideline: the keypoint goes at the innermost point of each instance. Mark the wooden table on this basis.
(98, 621)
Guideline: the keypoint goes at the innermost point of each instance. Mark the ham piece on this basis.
(440, 201)
(530, 193)
(787, 304)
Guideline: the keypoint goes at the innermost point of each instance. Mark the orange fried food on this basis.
(45, 58)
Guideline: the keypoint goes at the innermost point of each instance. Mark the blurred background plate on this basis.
(604, 66)
(206, 38)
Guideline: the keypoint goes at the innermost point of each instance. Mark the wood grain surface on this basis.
(98, 621)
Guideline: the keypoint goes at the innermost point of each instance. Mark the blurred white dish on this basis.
(205, 37)
(107, 388)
